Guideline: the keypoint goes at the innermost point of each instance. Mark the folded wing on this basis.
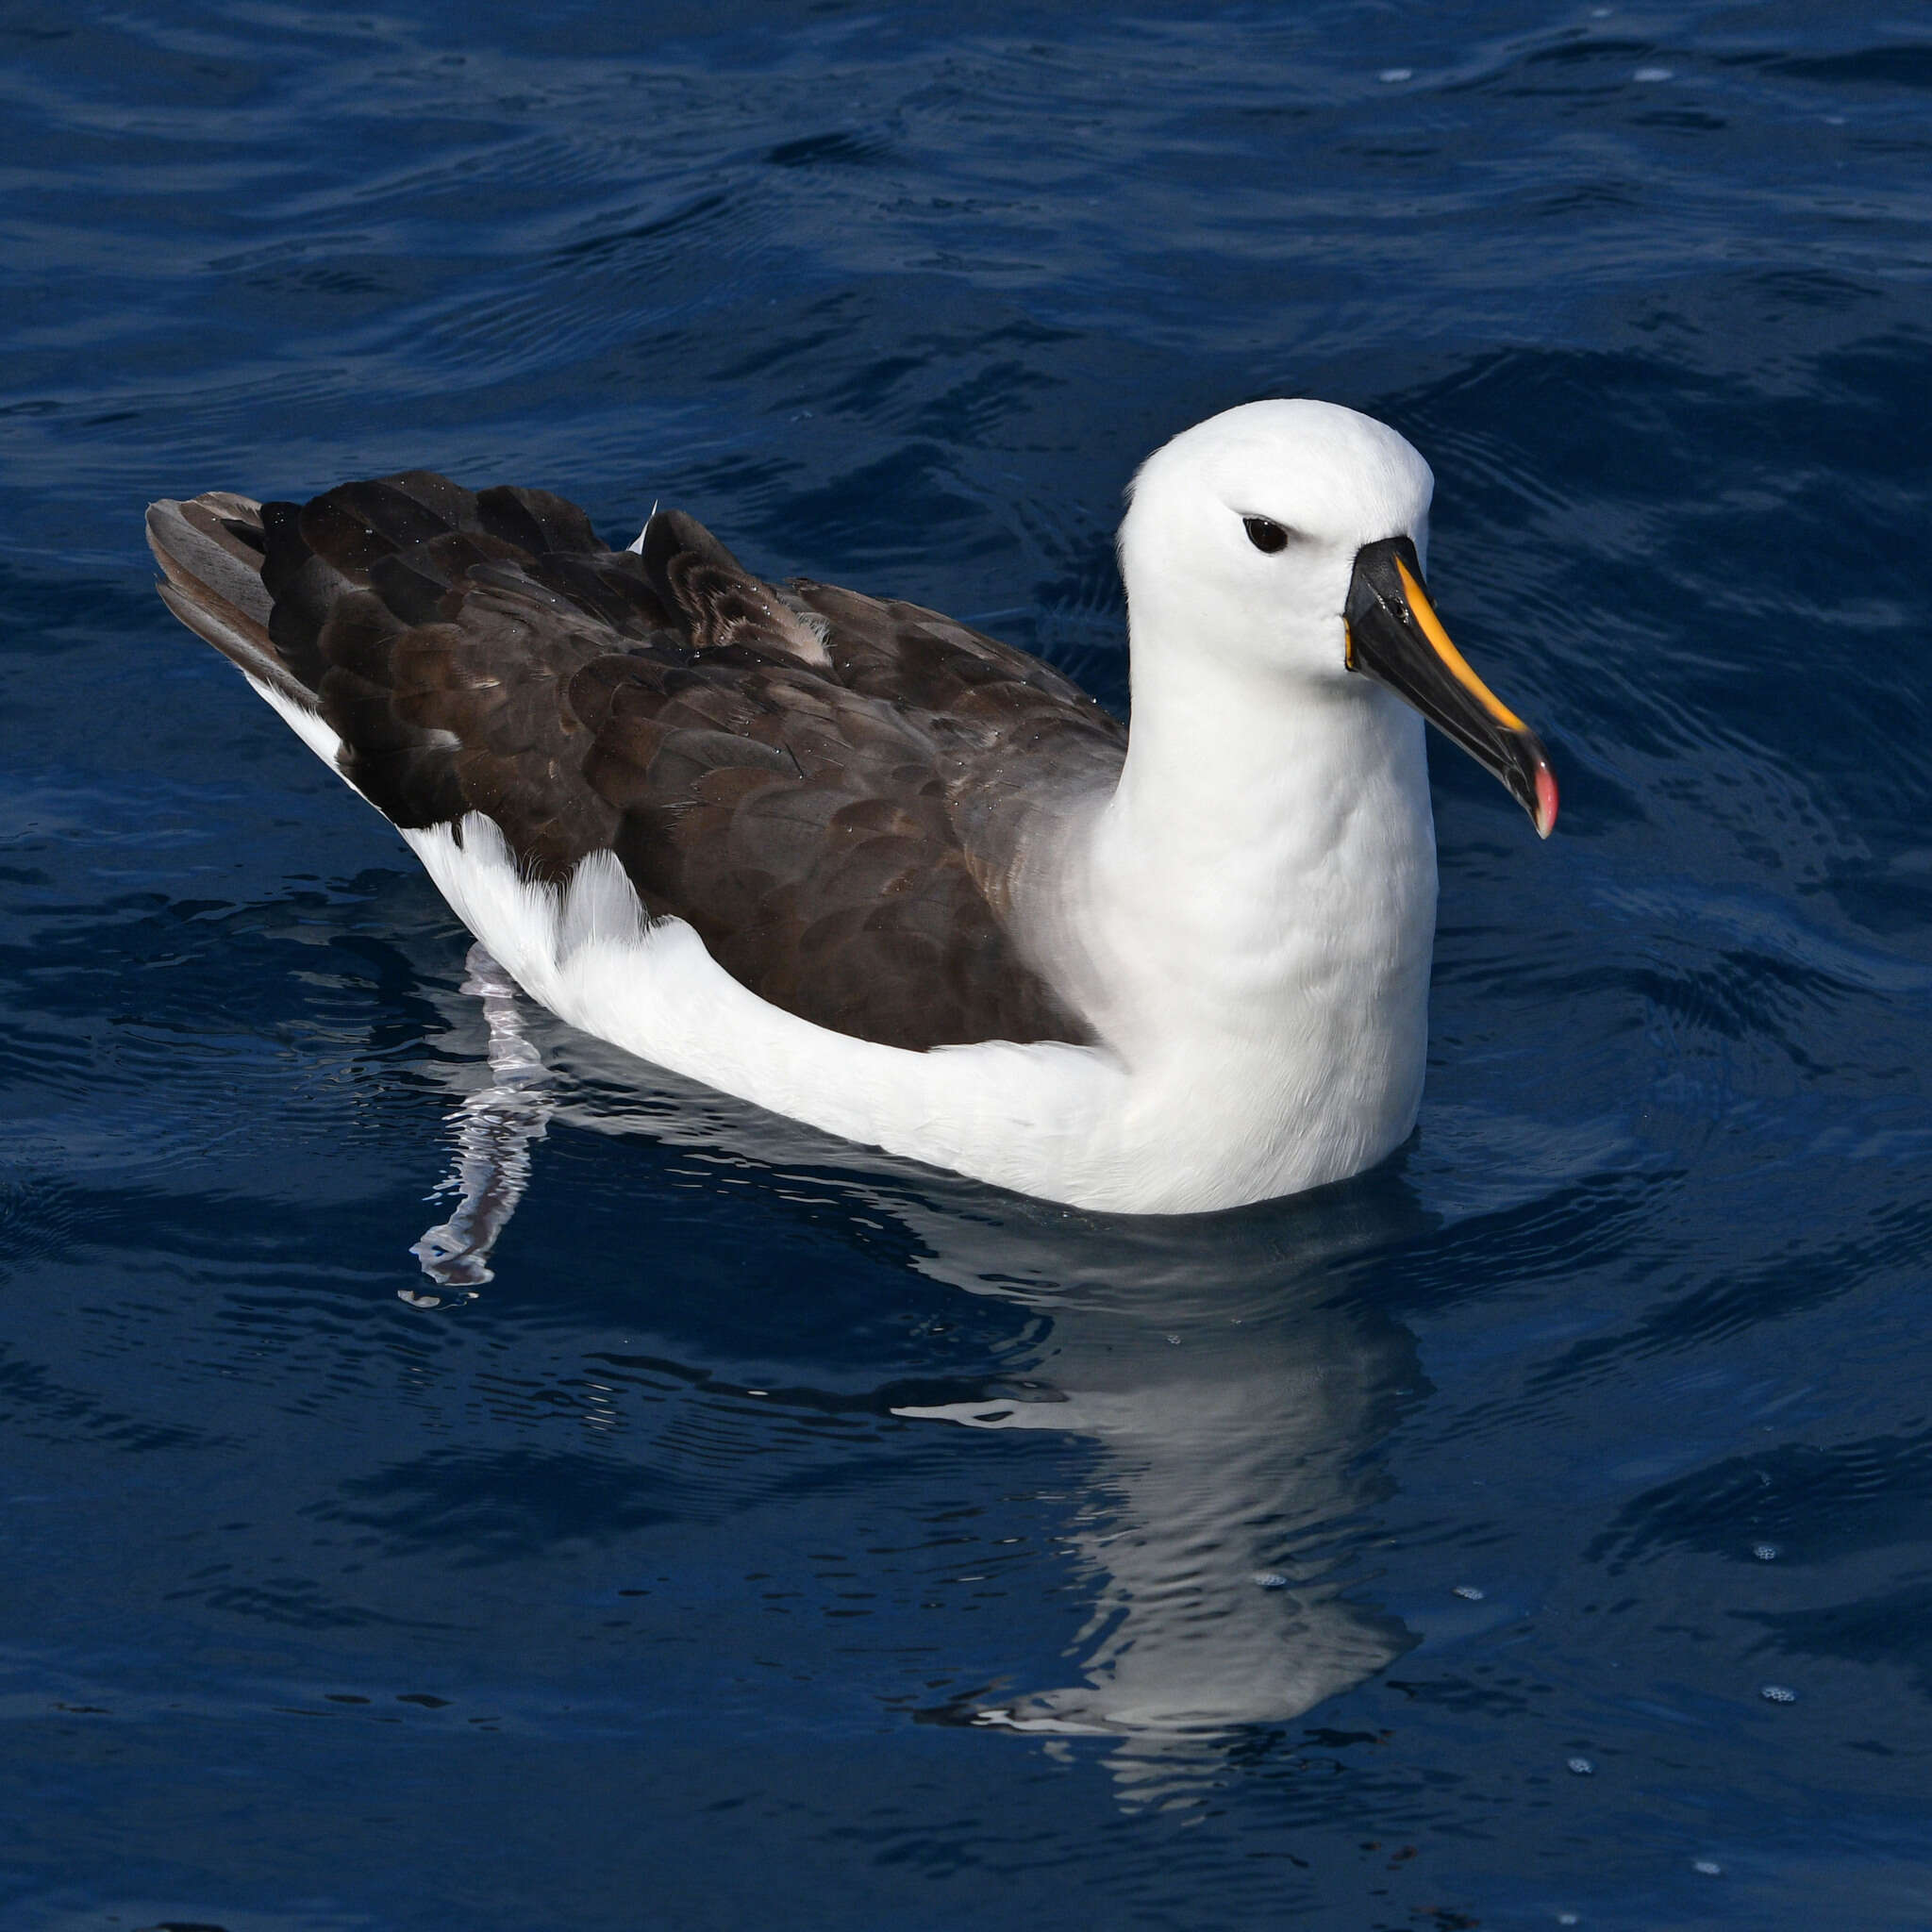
(831, 789)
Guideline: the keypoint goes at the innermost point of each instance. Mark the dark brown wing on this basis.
(828, 788)
(1012, 736)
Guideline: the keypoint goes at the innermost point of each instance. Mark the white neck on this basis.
(1250, 916)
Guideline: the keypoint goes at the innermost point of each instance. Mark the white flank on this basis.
(1032, 1118)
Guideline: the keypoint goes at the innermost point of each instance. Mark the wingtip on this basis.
(160, 515)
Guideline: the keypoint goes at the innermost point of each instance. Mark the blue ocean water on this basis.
(784, 1536)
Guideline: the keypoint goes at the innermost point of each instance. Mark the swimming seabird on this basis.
(850, 859)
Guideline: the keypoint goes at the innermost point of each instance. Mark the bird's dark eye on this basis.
(1265, 534)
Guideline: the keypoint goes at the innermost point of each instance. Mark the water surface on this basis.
(788, 1536)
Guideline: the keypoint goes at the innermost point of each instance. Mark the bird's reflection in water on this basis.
(1232, 1396)
(1231, 1391)
(494, 1127)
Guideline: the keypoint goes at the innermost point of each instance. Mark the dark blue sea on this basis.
(783, 1536)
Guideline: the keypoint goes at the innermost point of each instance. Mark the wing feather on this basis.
(830, 787)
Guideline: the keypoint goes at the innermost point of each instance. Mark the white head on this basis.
(1204, 505)
(1283, 542)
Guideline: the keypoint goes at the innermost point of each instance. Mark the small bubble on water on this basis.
(1567, 1919)
(1709, 1867)
(1392, 75)
(1469, 1591)
(1652, 73)
(1766, 1553)
(1269, 1579)
(1778, 1693)
(1581, 1766)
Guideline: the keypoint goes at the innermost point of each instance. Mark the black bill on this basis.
(1395, 637)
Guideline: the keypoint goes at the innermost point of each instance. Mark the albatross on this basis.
(859, 863)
